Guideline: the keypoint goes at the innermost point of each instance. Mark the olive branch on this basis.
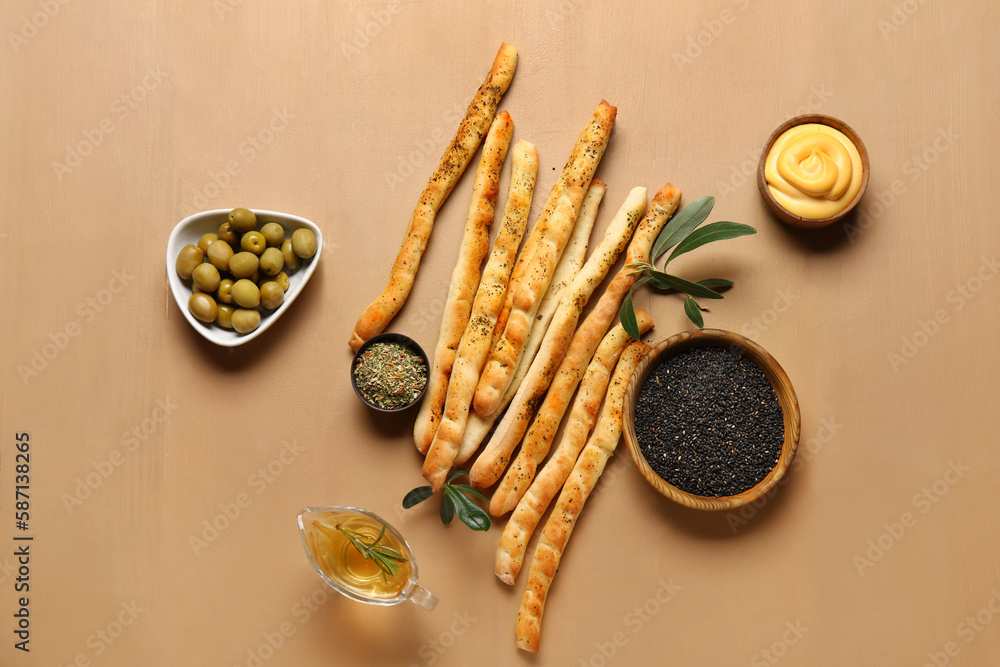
(682, 234)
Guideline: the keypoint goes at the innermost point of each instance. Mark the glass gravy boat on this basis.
(345, 569)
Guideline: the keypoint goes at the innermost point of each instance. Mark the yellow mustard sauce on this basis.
(813, 170)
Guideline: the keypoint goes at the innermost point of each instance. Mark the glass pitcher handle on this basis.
(423, 597)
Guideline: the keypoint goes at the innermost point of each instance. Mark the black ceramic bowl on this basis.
(400, 339)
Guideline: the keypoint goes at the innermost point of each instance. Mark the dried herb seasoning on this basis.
(390, 375)
(708, 421)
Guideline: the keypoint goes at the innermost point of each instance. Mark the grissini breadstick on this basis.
(557, 342)
(531, 507)
(478, 336)
(572, 260)
(605, 113)
(664, 204)
(583, 478)
(493, 461)
(509, 347)
(528, 251)
(456, 158)
(464, 278)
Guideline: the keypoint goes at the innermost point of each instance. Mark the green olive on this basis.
(304, 243)
(225, 293)
(224, 318)
(271, 295)
(242, 219)
(273, 233)
(188, 258)
(246, 294)
(292, 260)
(243, 264)
(203, 307)
(271, 262)
(253, 242)
(219, 254)
(281, 279)
(206, 277)
(206, 240)
(227, 233)
(245, 321)
(255, 278)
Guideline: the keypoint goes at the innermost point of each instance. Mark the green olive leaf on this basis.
(471, 514)
(417, 495)
(715, 282)
(685, 286)
(456, 473)
(447, 509)
(468, 490)
(659, 283)
(638, 267)
(681, 225)
(717, 231)
(691, 309)
(627, 315)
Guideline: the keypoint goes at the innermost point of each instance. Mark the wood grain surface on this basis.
(166, 473)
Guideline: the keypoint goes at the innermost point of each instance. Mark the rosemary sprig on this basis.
(456, 499)
(385, 557)
(682, 234)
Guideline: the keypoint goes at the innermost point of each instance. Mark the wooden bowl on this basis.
(782, 388)
(780, 211)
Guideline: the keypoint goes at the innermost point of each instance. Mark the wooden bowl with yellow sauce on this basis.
(813, 171)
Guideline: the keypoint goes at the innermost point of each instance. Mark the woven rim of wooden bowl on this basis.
(782, 388)
(780, 211)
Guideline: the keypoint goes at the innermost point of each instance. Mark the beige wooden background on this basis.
(121, 118)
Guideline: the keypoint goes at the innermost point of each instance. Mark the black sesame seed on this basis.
(708, 421)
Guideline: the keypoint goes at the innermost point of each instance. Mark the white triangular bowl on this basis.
(191, 229)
